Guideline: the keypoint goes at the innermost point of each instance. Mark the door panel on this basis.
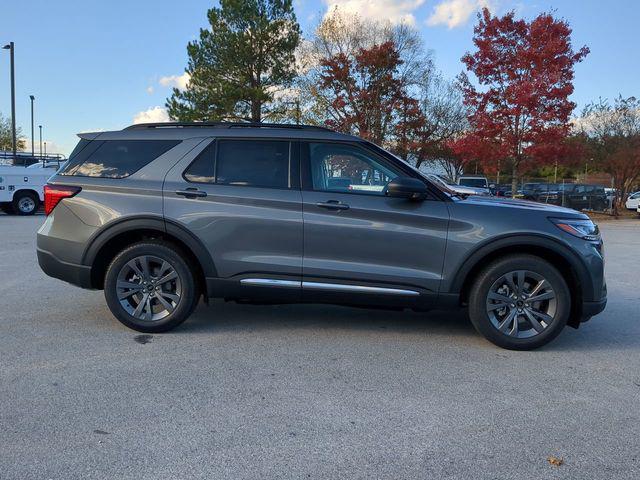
(354, 234)
(378, 240)
(249, 231)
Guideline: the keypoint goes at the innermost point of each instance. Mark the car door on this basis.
(359, 242)
(241, 198)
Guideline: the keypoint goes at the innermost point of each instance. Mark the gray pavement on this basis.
(309, 391)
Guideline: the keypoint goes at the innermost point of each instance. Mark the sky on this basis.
(103, 64)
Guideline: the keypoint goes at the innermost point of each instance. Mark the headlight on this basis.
(585, 229)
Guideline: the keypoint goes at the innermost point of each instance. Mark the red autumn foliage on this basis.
(520, 113)
(366, 91)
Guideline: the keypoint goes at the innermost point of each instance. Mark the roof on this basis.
(183, 130)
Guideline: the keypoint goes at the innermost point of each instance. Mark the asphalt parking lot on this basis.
(309, 391)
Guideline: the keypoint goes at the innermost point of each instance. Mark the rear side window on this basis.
(114, 158)
(202, 169)
(254, 163)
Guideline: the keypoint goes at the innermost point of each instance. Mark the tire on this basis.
(489, 310)
(163, 261)
(25, 203)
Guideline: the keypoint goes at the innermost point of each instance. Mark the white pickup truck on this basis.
(22, 188)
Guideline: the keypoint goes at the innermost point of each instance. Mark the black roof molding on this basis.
(144, 126)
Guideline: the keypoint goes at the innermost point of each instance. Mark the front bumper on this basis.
(589, 309)
(79, 275)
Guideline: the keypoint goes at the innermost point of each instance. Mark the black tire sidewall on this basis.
(188, 300)
(19, 196)
(486, 278)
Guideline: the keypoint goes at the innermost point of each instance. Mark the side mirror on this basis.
(409, 188)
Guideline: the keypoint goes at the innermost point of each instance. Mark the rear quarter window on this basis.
(114, 158)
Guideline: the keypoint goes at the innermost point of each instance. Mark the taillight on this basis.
(54, 193)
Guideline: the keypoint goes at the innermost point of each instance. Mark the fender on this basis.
(156, 222)
(526, 240)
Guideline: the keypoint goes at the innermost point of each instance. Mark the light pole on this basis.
(40, 127)
(10, 46)
(45, 149)
(33, 152)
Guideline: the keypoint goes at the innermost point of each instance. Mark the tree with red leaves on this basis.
(520, 112)
(365, 90)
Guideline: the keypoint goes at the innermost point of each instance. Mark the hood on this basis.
(503, 202)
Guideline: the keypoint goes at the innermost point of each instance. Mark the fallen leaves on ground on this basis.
(555, 461)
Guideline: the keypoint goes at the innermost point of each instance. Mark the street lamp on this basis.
(33, 153)
(11, 47)
(40, 127)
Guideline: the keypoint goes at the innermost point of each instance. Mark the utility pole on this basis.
(33, 147)
(11, 47)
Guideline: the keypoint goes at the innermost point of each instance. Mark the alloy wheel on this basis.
(521, 304)
(148, 288)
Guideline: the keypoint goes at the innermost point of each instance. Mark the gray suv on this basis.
(158, 215)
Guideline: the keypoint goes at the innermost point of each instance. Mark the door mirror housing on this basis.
(406, 187)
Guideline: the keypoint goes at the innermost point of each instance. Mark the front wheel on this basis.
(520, 302)
(150, 287)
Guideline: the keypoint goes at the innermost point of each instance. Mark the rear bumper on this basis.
(79, 275)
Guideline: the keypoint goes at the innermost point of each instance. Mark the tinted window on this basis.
(254, 163)
(345, 168)
(202, 170)
(116, 158)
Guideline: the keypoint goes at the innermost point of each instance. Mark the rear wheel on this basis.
(25, 203)
(520, 302)
(150, 287)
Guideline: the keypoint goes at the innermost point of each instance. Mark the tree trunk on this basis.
(514, 180)
(256, 111)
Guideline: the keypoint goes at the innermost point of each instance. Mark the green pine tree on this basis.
(239, 63)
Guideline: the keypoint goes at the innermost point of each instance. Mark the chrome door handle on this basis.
(333, 205)
(191, 193)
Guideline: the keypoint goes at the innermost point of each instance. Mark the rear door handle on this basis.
(333, 205)
(191, 193)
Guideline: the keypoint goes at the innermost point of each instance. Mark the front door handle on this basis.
(333, 205)
(191, 193)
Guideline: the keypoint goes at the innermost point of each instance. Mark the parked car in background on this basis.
(444, 182)
(633, 201)
(21, 189)
(576, 196)
(158, 215)
(474, 181)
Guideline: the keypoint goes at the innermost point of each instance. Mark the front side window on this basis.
(253, 163)
(115, 158)
(347, 168)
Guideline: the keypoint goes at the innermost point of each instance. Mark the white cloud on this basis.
(150, 89)
(52, 147)
(455, 13)
(395, 11)
(152, 115)
(178, 81)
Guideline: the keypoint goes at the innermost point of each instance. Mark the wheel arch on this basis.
(26, 190)
(113, 238)
(570, 266)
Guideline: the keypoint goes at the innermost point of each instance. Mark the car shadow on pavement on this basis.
(232, 317)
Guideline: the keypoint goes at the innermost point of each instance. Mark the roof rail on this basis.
(142, 126)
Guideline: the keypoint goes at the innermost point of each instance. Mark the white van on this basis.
(22, 188)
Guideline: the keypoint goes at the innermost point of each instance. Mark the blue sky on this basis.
(97, 64)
